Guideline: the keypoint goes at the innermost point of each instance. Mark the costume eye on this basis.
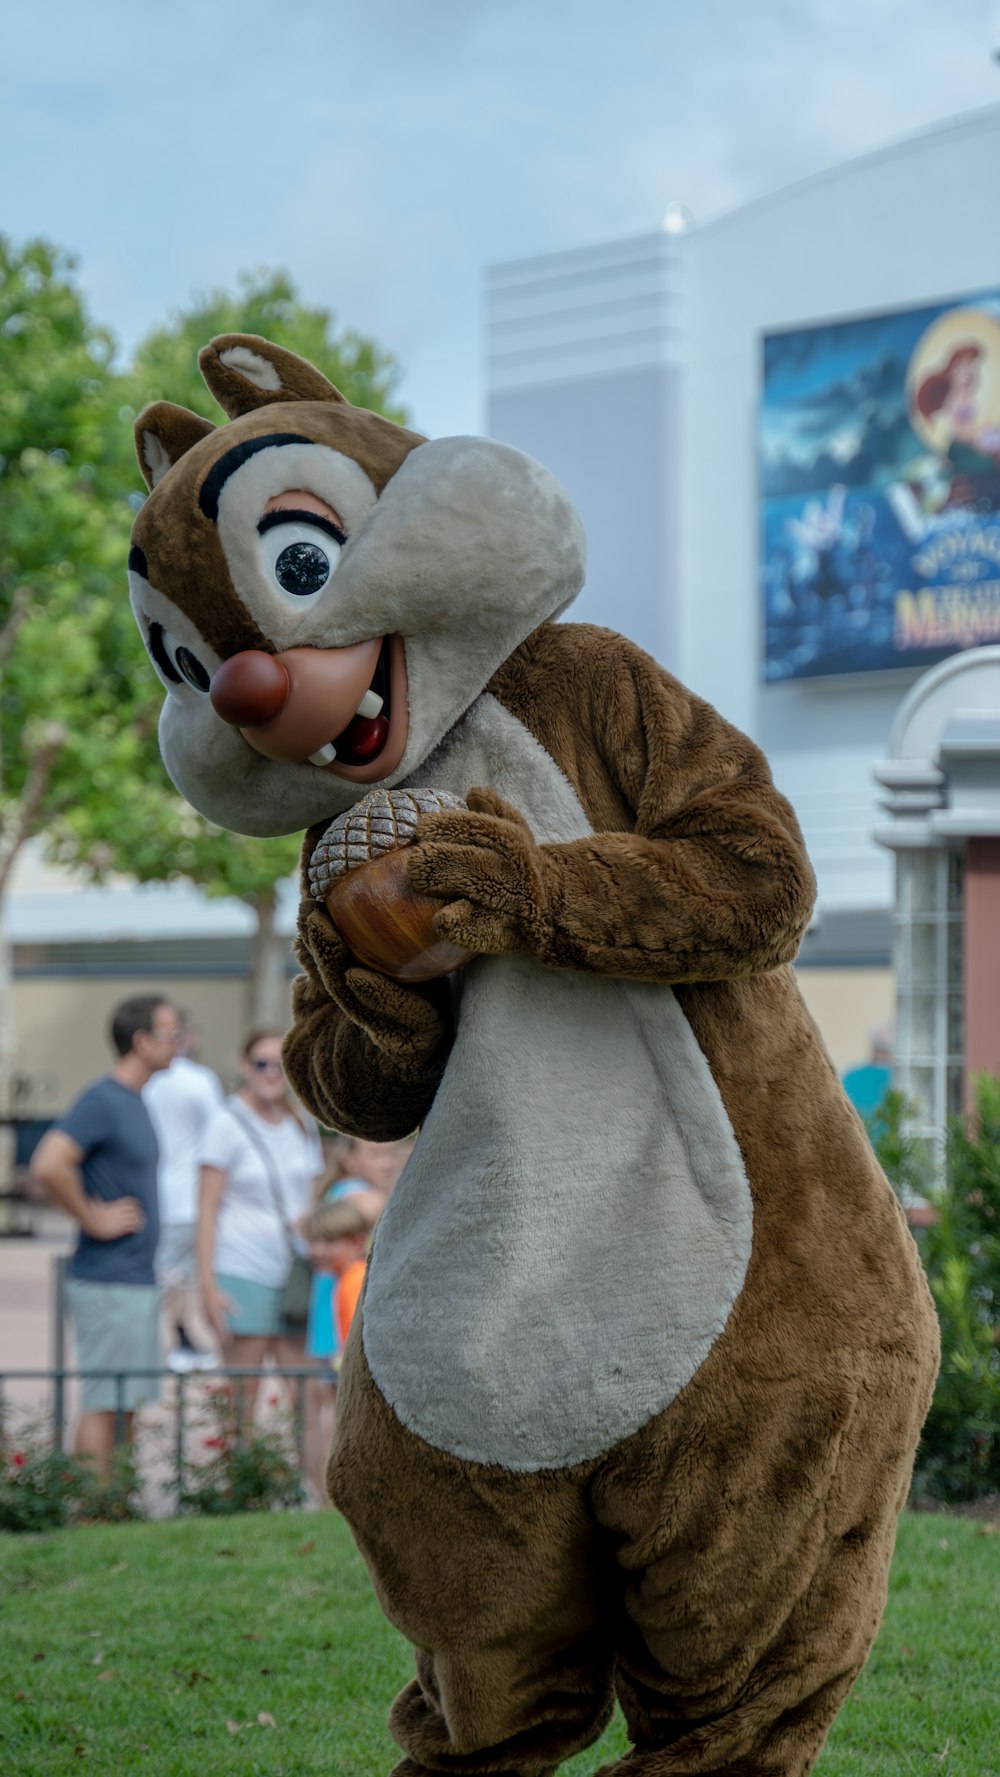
(177, 662)
(192, 670)
(301, 551)
(302, 568)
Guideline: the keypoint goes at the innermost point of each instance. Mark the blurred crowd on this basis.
(226, 1230)
(213, 1229)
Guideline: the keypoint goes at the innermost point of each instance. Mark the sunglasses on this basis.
(264, 1066)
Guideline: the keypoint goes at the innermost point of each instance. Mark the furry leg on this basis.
(742, 1639)
(501, 1581)
(551, 1719)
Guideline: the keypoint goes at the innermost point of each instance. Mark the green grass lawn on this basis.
(205, 1647)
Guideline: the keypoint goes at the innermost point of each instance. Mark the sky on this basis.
(384, 152)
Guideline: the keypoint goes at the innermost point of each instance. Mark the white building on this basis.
(634, 369)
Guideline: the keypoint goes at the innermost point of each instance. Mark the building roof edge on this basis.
(984, 117)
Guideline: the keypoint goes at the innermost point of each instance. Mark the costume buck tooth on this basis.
(370, 705)
(381, 822)
(324, 755)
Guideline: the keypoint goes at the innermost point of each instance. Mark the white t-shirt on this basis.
(250, 1240)
(180, 1100)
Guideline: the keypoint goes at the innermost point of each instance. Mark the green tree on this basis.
(960, 1449)
(137, 824)
(166, 363)
(66, 688)
(959, 1455)
(79, 703)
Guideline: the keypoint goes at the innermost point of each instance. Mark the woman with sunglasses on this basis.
(260, 1161)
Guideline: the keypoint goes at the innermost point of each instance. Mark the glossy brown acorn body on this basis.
(386, 924)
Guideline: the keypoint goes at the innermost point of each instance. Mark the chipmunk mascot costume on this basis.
(630, 1406)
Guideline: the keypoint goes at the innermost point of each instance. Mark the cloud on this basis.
(384, 152)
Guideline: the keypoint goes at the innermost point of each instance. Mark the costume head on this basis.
(323, 593)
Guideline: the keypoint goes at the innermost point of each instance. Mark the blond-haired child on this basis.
(339, 1234)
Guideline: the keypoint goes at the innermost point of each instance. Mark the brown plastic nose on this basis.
(249, 688)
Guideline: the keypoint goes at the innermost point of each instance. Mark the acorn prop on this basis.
(358, 869)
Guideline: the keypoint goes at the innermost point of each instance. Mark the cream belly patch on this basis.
(500, 1321)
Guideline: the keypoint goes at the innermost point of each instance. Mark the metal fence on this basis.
(57, 1378)
(174, 1422)
(171, 1428)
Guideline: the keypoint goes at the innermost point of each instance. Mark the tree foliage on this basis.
(67, 685)
(959, 1456)
(79, 702)
(166, 364)
(151, 837)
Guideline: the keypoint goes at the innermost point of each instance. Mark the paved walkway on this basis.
(27, 1306)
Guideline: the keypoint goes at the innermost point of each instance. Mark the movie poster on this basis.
(880, 490)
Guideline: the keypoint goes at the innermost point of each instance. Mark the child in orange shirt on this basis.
(339, 1234)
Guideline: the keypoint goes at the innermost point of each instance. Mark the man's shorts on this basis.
(116, 1326)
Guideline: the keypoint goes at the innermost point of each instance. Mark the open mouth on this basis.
(340, 710)
(368, 730)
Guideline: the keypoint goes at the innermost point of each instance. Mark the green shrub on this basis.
(248, 1469)
(959, 1455)
(43, 1487)
(38, 1486)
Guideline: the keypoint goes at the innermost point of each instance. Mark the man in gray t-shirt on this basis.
(98, 1162)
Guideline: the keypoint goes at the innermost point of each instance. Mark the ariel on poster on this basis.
(880, 481)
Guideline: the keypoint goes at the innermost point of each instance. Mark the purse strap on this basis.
(235, 1110)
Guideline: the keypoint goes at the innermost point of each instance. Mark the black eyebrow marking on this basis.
(218, 475)
(137, 562)
(287, 514)
(158, 649)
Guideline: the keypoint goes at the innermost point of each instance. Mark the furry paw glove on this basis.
(406, 1024)
(364, 1052)
(485, 863)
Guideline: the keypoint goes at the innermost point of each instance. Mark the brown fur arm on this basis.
(364, 1053)
(712, 882)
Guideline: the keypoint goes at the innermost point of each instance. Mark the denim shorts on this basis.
(116, 1326)
(256, 1310)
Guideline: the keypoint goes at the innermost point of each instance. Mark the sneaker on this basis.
(182, 1362)
(190, 1356)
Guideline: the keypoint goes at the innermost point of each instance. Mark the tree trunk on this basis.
(269, 955)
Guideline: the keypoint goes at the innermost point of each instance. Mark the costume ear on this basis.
(163, 433)
(244, 372)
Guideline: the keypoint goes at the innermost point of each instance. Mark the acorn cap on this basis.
(381, 822)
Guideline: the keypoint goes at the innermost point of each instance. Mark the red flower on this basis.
(18, 1459)
(214, 1443)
